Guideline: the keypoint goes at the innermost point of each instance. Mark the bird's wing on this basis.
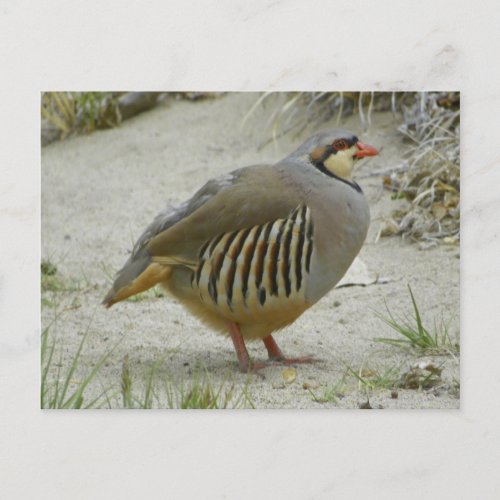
(244, 198)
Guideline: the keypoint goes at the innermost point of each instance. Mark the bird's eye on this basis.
(340, 144)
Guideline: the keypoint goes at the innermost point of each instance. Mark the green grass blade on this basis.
(71, 371)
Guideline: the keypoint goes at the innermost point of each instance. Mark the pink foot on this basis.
(275, 354)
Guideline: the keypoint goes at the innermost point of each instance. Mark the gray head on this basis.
(334, 152)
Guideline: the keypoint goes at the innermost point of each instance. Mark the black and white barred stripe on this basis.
(258, 264)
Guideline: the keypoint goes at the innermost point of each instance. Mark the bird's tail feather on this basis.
(135, 277)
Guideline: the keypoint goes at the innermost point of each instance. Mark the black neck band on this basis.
(321, 167)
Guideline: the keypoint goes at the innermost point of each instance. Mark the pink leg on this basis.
(246, 365)
(240, 348)
(275, 353)
(273, 350)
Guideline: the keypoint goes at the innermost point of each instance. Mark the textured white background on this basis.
(243, 45)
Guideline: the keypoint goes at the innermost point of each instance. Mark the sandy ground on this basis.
(99, 192)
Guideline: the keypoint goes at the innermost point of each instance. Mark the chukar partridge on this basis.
(255, 248)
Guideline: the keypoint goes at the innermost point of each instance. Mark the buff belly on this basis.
(256, 277)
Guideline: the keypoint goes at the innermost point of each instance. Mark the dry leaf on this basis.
(428, 366)
(439, 185)
(424, 374)
(289, 375)
(387, 182)
(310, 385)
(451, 200)
(389, 229)
(438, 210)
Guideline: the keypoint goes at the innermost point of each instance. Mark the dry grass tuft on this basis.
(67, 113)
(294, 111)
(64, 113)
(429, 177)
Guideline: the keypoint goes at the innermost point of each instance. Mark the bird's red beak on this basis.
(364, 150)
